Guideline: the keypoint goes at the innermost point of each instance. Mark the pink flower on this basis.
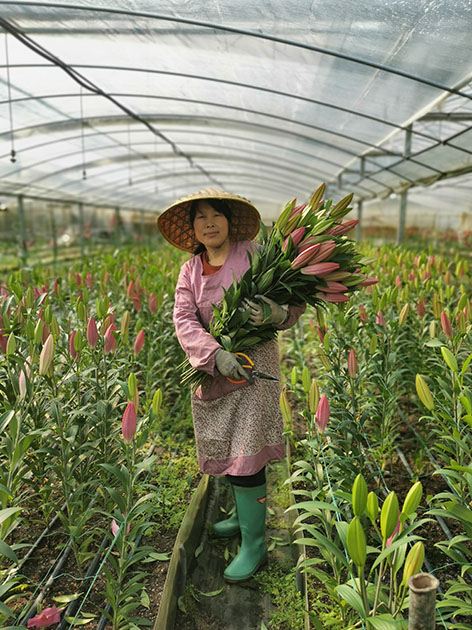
(92, 333)
(297, 210)
(352, 363)
(47, 617)
(136, 302)
(362, 314)
(72, 350)
(78, 279)
(333, 297)
(303, 258)
(380, 319)
(139, 342)
(324, 252)
(320, 269)
(342, 228)
(115, 527)
(446, 325)
(332, 287)
(321, 333)
(130, 290)
(398, 281)
(89, 280)
(296, 237)
(55, 287)
(368, 282)
(322, 413)
(420, 307)
(128, 423)
(153, 303)
(110, 341)
(395, 532)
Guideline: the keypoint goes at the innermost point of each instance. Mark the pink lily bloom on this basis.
(342, 228)
(128, 423)
(420, 307)
(46, 618)
(322, 413)
(324, 252)
(89, 280)
(332, 287)
(362, 314)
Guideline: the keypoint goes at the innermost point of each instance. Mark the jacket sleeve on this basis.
(294, 313)
(196, 342)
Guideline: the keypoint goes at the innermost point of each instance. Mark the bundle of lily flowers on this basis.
(306, 258)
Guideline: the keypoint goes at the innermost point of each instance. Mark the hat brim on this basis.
(174, 223)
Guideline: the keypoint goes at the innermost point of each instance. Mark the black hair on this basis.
(220, 205)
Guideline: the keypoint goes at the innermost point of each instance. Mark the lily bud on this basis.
(152, 303)
(380, 319)
(423, 392)
(125, 325)
(389, 515)
(128, 423)
(156, 402)
(352, 363)
(72, 350)
(46, 356)
(420, 307)
(139, 342)
(92, 333)
(285, 409)
(306, 380)
(322, 413)
(356, 542)
(372, 507)
(359, 495)
(412, 499)
(313, 396)
(110, 341)
(449, 358)
(132, 384)
(446, 325)
(403, 314)
(414, 562)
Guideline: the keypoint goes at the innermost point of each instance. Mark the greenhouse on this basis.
(236, 315)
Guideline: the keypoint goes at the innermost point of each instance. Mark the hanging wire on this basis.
(10, 108)
(82, 134)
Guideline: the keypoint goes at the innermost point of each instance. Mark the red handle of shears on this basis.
(247, 366)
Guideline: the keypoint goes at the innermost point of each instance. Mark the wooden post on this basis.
(422, 610)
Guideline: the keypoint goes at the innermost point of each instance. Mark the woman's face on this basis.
(211, 227)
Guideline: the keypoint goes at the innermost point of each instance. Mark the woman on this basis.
(238, 426)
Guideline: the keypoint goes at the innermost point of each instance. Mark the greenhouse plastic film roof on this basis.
(133, 104)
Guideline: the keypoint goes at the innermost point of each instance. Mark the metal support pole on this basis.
(404, 194)
(360, 204)
(117, 226)
(54, 236)
(21, 230)
(422, 609)
(81, 229)
(359, 218)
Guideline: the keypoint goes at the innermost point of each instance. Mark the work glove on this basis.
(228, 364)
(277, 315)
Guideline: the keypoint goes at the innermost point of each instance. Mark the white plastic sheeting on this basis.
(266, 99)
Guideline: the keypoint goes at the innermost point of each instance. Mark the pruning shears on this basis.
(248, 364)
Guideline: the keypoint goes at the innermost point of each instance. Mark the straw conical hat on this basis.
(174, 223)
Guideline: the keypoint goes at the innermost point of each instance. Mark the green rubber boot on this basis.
(229, 527)
(251, 507)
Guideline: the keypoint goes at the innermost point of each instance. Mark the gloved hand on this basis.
(227, 364)
(278, 312)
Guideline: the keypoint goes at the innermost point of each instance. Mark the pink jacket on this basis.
(194, 296)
